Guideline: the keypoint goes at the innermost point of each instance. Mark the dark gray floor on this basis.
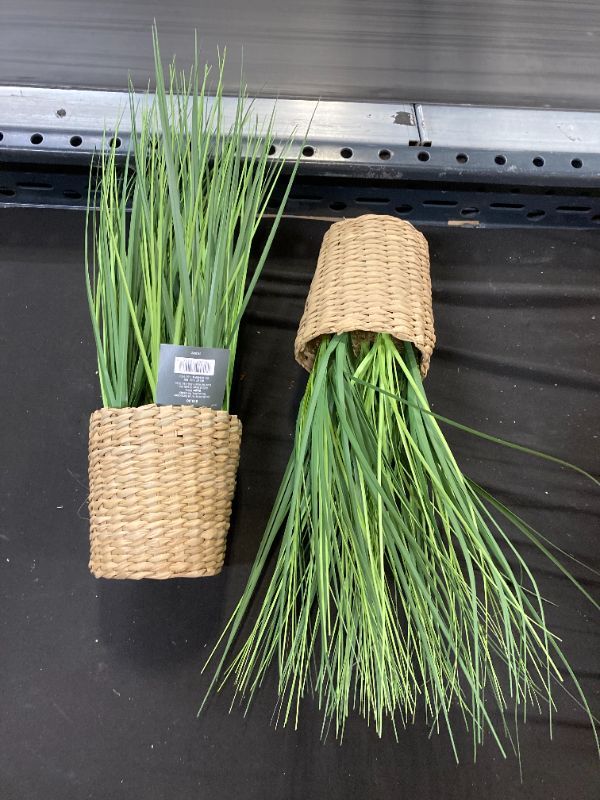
(506, 52)
(100, 680)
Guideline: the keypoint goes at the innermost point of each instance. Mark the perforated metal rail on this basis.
(427, 163)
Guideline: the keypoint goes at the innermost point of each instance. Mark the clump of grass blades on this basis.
(394, 586)
(173, 228)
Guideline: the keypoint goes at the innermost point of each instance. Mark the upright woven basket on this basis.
(162, 480)
(372, 277)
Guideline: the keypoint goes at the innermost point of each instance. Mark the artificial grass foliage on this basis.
(173, 227)
(395, 588)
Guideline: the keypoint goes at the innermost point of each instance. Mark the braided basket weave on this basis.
(372, 277)
(162, 480)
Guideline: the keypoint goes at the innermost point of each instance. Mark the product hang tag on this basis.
(191, 376)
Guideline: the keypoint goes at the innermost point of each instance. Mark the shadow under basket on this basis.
(162, 480)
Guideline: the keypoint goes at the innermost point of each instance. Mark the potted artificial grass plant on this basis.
(172, 228)
(396, 586)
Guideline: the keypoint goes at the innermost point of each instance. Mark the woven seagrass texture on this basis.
(372, 276)
(162, 480)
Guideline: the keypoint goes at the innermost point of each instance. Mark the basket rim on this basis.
(171, 408)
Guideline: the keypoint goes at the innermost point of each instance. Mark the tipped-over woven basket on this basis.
(162, 480)
(372, 277)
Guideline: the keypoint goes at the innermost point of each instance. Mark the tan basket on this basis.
(372, 276)
(162, 480)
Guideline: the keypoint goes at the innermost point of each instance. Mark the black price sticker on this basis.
(191, 376)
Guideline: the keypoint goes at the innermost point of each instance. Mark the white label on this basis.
(194, 366)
